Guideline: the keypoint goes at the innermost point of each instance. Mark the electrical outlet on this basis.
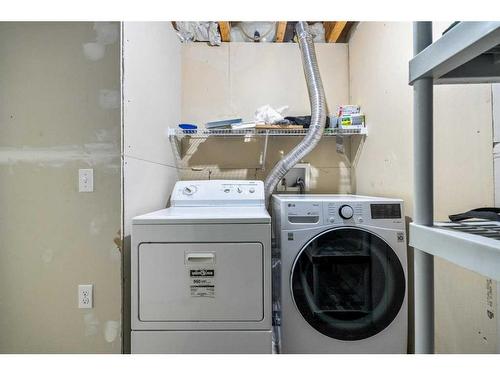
(85, 180)
(85, 296)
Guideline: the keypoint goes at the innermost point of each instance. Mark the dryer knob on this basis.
(346, 211)
(189, 190)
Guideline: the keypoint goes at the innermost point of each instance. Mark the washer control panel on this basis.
(308, 211)
(344, 212)
(217, 193)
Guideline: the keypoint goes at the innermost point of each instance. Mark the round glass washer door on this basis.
(348, 283)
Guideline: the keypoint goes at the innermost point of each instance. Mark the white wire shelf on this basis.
(205, 133)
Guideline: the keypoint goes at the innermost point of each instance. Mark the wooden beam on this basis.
(280, 31)
(225, 30)
(333, 30)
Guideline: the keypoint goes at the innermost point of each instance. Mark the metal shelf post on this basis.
(423, 203)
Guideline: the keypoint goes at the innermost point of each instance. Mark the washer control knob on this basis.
(331, 220)
(239, 190)
(251, 190)
(189, 190)
(346, 211)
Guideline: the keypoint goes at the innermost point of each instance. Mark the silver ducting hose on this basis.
(318, 111)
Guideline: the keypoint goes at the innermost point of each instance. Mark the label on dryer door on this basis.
(202, 282)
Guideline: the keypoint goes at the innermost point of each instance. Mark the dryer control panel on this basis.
(218, 193)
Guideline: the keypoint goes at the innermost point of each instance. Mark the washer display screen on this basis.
(348, 284)
(386, 211)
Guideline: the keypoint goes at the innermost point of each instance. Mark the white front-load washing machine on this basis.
(343, 274)
(201, 271)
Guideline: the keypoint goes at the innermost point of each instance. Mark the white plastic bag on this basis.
(270, 115)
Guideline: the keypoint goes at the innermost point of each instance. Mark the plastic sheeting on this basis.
(318, 32)
(199, 31)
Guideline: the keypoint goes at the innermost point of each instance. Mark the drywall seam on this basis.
(57, 156)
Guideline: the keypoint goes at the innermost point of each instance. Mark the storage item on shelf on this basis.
(352, 121)
(279, 126)
(223, 123)
(305, 121)
(270, 115)
(349, 116)
(244, 125)
(348, 109)
(188, 128)
(333, 121)
(484, 213)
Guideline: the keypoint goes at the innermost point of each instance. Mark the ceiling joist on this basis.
(280, 31)
(334, 30)
(225, 30)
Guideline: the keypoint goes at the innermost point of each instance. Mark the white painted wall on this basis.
(378, 63)
(151, 103)
(233, 80)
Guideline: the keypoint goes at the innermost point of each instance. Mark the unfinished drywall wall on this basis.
(233, 80)
(152, 102)
(378, 61)
(59, 111)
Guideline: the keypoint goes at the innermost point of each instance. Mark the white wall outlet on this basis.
(85, 296)
(85, 180)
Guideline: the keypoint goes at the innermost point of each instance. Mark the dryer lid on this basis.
(205, 215)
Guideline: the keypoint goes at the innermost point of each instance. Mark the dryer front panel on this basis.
(201, 282)
(348, 284)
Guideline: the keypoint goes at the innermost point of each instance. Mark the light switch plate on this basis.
(85, 296)
(85, 180)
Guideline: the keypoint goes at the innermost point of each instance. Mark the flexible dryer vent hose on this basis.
(318, 111)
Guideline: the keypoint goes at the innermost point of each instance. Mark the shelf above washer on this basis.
(176, 136)
(206, 133)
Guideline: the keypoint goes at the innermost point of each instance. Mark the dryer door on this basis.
(348, 283)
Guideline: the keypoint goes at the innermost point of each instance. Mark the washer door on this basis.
(348, 284)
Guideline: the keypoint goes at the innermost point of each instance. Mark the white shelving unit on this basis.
(205, 133)
(467, 53)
